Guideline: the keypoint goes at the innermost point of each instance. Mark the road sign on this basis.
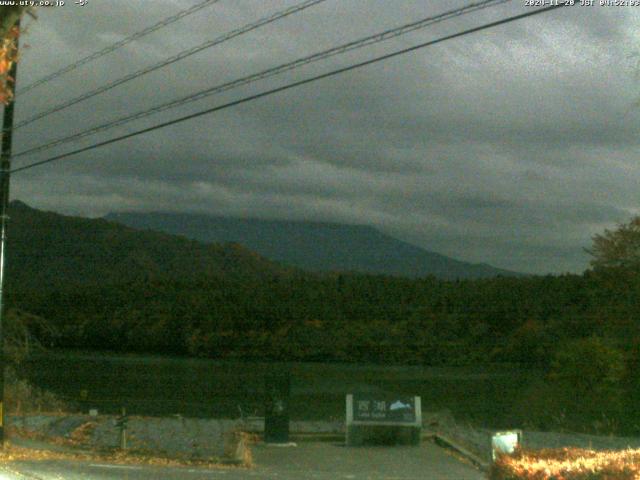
(386, 410)
(388, 417)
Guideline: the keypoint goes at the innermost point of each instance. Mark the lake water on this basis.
(150, 385)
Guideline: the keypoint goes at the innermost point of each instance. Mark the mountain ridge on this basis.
(314, 246)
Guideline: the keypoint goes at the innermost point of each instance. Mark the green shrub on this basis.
(588, 366)
(583, 390)
(587, 377)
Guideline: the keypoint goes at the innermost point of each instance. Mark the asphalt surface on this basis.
(318, 461)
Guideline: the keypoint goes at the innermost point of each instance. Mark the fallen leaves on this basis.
(12, 453)
(568, 464)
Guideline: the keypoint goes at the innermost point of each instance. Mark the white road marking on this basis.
(123, 467)
(210, 472)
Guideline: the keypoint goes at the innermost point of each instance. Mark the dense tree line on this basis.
(347, 317)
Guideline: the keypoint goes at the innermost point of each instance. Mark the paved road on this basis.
(317, 461)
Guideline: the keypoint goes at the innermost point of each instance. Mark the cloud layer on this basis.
(510, 147)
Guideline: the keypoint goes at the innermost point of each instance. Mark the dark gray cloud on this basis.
(511, 146)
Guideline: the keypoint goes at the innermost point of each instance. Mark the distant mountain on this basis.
(313, 246)
(49, 249)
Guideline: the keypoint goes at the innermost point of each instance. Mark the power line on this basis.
(290, 86)
(360, 43)
(119, 44)
(175, 58)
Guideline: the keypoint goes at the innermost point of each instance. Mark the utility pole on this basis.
(5, 176)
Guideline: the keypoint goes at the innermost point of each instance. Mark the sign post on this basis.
(122, 425)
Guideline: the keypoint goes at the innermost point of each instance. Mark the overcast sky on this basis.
(511, 146)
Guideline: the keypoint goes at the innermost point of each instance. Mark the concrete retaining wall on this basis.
(173, 436)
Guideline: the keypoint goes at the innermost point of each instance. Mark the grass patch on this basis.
(568, 464)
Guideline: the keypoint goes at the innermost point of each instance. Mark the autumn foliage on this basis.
(568, 464)
(8, 55)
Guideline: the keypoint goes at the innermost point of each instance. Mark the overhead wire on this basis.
(110, 48)
(292, 85)
(175, 58)
(318, 56)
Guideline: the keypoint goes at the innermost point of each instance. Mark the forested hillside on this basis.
(112, 287)
(47, 250)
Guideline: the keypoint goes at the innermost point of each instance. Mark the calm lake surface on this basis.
(151, 385)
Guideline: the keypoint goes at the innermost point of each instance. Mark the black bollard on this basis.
(276, 418)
